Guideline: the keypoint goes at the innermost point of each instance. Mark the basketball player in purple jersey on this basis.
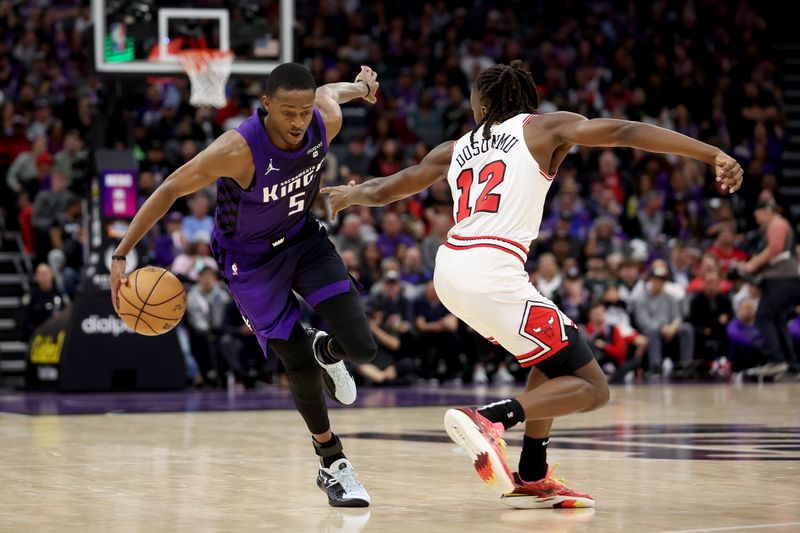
(269, 246)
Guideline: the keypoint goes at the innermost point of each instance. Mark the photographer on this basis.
(777, 269)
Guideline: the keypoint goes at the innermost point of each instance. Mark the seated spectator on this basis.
(67, 238)
(651, 218)
(349, 235)
(724, 250)
(597, 277)
(370, 264)
(412, 270)
(745, 340)
(709, 263)
(436, 328)
(205, 312)
(617, 315)
(630, 281)
(241, 351)
(392, 313)
(573, 297)
(389, 159)
(73, 161)
(354, 162)
(47, 207)
(387, 294)
(680, 264)
(430, 245)
(673, 289)
(23, 173)
(172, 242)
(188, 265)
(383, 367)
(355, 271)
(709, 313)
(392, 235)
(562, 242)
(548, 276)
(602, 240)
(609, 345)
(44, 301)
(658, 316)
(198, 220)
(437, 201)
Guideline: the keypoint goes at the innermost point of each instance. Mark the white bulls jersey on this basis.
(498, 189)
(498, 193)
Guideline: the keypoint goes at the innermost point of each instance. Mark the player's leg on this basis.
(336, 476)
(567, 382)
(533, 458)
(350, 338)
(321, 279)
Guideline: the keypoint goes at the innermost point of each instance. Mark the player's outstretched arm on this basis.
(330, 96)
(382, 191)
(570, 128)
(227, 156)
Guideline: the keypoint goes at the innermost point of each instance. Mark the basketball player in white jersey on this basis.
(499, 175)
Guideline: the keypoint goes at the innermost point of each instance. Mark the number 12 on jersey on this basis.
(487, 201)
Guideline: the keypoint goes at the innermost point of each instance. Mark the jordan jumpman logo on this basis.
(270, 168)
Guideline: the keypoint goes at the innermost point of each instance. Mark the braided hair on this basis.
(508, 90)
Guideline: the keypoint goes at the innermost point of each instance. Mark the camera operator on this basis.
(778, 272)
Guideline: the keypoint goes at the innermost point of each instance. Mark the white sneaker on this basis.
(769, 369)
(503, 376)
(336, 377)
(479, 375)
(340, 482)
(666, 368)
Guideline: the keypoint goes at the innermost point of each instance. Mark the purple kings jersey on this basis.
(283, 189)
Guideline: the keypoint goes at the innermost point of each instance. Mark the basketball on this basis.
(152, 302)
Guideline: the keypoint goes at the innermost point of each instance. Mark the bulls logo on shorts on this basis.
(543, 324)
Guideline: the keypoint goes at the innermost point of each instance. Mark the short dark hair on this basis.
(207, 270)
(509, 91)
(290, 77)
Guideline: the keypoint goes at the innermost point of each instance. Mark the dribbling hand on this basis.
(729, 172)
(118, 279)
(338, 197)
(370, 78)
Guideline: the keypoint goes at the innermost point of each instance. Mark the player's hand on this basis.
(118, 279)
(729, 172)
(339, 197)
(370, 77)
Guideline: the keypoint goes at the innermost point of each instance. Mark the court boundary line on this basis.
(732, 528)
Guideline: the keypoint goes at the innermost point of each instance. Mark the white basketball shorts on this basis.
(487, 287)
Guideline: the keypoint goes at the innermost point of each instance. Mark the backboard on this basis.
(142, 36)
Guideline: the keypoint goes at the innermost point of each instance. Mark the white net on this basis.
(208, 72)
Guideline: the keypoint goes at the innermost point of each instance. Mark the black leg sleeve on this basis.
(305, 379)
(345, 320)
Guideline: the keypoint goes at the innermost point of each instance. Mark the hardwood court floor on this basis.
(657, 458)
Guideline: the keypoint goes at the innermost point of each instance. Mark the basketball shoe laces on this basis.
(347, 478)
(556, 482)
(496, 430)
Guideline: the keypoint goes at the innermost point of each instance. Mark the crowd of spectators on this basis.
(640, 249)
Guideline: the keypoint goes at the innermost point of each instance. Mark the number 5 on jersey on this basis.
(487, 201)
(297, 202)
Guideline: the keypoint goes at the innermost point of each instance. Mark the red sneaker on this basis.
(482, 440)
(547, 493)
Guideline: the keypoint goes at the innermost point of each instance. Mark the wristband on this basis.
(118, 258)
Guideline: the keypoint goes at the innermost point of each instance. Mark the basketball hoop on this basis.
(208, 72)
